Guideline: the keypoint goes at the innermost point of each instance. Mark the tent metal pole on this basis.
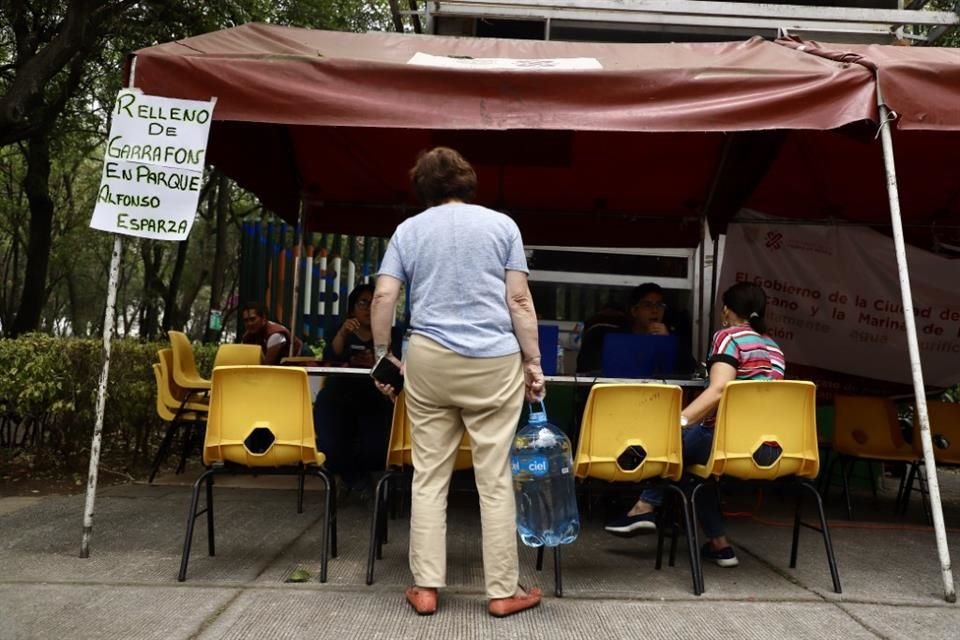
(296, 280)
(704, 231)
(933, 484)
(714, 277)
(699, 346)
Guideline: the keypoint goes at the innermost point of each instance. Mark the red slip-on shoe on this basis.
(422, 599)
(503, 607)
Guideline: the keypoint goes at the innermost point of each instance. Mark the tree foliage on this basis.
(48, 398)
(60, 69)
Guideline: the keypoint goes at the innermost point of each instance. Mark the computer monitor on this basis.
(549, 335)
(629, 355)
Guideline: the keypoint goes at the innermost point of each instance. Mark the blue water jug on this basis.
(543, 483)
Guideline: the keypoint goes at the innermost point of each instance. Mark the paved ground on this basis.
(127, 589)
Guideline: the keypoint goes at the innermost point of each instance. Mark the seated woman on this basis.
(741, 350)
(351, 418)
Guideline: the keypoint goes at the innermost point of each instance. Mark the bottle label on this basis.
(534, 465)
(537, 417)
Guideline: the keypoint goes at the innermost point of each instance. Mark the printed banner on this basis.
(833, 298)
(153, 166)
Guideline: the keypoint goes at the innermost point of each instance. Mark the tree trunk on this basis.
(36, 184)
(76, 321)
(219, 256)
(171, 315)
(11, 273)
(151, 252)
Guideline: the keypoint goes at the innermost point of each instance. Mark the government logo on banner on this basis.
(153, 166)
(833, 298)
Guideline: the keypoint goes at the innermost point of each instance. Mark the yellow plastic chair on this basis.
(261, 422)
(173, 415)
(165, 411)
(235, 355)
(400, 462)
(758, 418)
(945, 433)
(865, 428)
(186, 412)
(185, 372)
(631, 433)
(175, 396)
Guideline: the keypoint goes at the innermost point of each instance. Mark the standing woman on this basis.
(472, 354)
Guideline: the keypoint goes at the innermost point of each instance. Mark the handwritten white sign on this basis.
(153, 166)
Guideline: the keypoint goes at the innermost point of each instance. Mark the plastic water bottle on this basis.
(543, 483)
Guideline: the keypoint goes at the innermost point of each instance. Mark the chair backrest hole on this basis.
(767, 453)
(259, 441)
(631, 458)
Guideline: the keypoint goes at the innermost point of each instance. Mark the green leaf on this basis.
(299, 575)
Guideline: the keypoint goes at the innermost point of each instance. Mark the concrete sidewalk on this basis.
(127, 589)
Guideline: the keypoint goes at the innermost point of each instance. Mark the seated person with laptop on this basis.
(641, 346)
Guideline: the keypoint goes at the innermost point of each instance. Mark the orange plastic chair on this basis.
(261, 422)
(185, 372)
(758, 418)
(187, 413)
(400, 461)
(631, 433)
(945, 433)
(865, 428)
(234, 355)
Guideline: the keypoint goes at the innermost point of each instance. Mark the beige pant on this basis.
(445, 393)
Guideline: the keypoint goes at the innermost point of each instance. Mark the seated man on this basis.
(646, 317)
(273, 337)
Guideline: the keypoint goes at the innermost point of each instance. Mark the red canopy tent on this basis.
(635, 150)
(621, 155)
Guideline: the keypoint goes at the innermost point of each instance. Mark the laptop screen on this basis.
(628, 355)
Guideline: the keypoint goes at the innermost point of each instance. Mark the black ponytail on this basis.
(748, 301)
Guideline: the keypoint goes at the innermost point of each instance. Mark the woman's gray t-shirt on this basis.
(453, 259)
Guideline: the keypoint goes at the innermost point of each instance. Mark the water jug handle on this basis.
(543, 408)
